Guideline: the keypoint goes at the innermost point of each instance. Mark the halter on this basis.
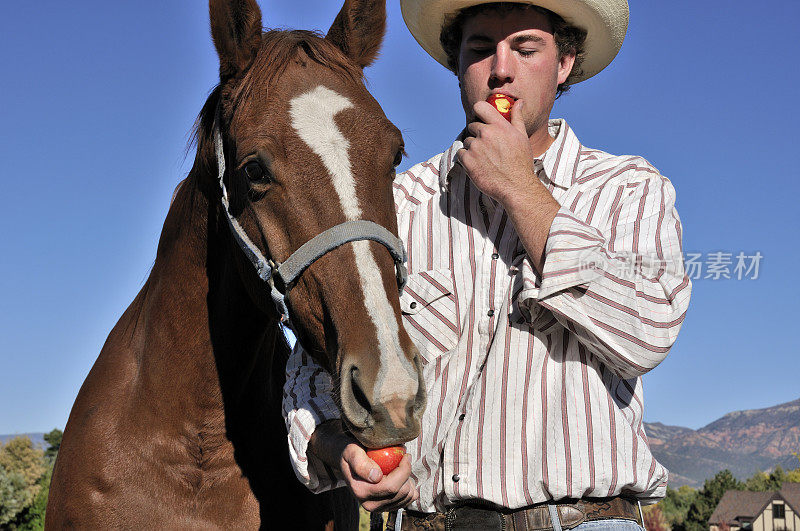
(280, 277)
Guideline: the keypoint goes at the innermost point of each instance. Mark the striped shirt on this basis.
(533, 380)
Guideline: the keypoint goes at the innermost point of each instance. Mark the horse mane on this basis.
(279, 48)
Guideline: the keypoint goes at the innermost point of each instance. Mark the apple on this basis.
(387, 458)
(502, 103)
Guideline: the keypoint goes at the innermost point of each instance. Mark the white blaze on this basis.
(313, 118)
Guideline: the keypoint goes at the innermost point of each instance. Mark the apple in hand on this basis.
(387, 458)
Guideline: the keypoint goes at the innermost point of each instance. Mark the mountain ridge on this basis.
(742, 441)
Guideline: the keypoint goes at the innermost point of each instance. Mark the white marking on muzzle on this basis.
(313, 118)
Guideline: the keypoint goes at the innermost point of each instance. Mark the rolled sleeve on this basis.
(308, 401)
(623, 291)
(574, 250)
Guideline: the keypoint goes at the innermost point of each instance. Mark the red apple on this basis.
(502, 103)
(387, 458)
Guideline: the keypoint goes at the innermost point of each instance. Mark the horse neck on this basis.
(206, 342)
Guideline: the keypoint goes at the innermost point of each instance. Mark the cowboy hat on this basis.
(605, 21)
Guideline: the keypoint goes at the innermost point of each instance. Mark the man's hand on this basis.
(497, 154)
(373, 490)
(498, 158)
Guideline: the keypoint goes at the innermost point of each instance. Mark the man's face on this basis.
(513, 53)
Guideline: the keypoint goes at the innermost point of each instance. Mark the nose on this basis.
(382, 411)
(502, 65)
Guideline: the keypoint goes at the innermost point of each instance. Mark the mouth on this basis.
(501, 93)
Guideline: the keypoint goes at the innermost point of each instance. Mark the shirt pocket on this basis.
(428, 306)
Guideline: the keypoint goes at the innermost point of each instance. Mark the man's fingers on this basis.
(361, 466)
(394, 491)
(411, 495)
(393, 496)
(475, 128)
(516, 116)
(393, 481)
(386, 489)
(407, 494)
(487, 113)
(462, 154)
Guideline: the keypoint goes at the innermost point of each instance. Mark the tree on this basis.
(698, 515)
(33, 517)
(13, 496)
(22, 467)
(19, 455)
(761, 482)
(54, 440)
(654, 519)
(794, 475)
(708, 499)
(686, 509)
(675, 506)
(758, 482)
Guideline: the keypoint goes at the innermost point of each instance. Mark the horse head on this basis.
(306, 149)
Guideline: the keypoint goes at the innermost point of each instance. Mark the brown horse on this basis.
(178, 424)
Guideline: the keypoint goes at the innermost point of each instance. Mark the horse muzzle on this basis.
(382, 407)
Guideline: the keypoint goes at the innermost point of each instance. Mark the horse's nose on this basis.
(382, 409)
(397, 410)
(358, 404)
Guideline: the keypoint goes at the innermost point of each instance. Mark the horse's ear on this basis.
(359, 29)
(236, 30)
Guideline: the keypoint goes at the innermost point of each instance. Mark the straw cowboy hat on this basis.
(606, 22)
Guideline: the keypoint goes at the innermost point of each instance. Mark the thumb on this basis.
(362, 466)
(516, 115)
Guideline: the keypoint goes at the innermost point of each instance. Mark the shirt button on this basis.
(456, 478)
(461, 416)
(413, 305)
(495, 256)
(490, 313)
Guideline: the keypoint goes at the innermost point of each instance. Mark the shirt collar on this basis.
(557, 165)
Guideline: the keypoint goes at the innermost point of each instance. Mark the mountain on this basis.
(742, 441)
(36, 438)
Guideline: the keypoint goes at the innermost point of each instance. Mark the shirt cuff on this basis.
(526, 287)
(574, 254)
(301, 423)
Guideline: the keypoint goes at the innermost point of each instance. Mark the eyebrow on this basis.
(479, 39)
(527, 38)
(521, 39)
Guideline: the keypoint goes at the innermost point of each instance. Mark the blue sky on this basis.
(99, 98)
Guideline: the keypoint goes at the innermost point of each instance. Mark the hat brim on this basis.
(605, 22)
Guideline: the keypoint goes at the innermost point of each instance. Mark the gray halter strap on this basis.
(288, 272)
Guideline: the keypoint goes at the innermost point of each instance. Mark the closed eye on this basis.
(482, 51)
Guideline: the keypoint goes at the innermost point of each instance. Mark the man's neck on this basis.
(540, 140)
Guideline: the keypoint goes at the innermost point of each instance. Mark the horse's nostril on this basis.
(418, 366)
(358, 393)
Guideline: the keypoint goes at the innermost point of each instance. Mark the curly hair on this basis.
(569, 39)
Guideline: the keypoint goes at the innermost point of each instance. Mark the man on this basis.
(545, 279)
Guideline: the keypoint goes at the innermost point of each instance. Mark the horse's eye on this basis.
(398, 158)
(255, 171)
